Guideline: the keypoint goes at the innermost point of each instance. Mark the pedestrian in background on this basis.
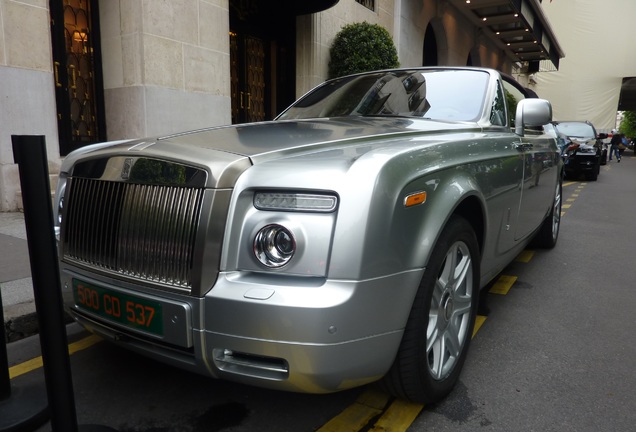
(616, 140)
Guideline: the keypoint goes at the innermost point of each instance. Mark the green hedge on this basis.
(362, 47)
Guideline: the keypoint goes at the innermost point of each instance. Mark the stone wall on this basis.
(166, 66)
(27, 97)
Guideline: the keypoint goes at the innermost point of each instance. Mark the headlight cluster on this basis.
(275, 243)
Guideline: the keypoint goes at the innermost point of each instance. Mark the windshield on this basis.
(456, 95)
(576, 129)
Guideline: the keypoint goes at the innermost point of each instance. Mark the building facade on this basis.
(86, 71)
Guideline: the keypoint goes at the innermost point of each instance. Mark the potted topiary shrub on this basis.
(362, 47)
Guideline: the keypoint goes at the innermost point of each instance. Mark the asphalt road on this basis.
(555, 353)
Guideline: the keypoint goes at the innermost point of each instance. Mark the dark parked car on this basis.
(582, 148)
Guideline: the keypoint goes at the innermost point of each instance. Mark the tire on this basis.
(548, 234)
(594, 175)
(440, 325)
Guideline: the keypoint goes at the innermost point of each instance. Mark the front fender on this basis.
(449, 192)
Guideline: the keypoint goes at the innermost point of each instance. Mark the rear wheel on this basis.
(440, 325)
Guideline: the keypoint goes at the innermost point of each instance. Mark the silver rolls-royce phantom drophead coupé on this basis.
(342, 243)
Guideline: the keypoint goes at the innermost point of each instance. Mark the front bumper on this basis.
(581, 164)
(299, 334)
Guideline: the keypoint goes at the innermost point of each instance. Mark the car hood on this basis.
(227, 151)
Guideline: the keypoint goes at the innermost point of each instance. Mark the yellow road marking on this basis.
(566, 206)
(503, 285)
(369, 404)
(36, 363)
(82, 344)
(398, 417)
(525, 256)
(479, 321)
(25, 367)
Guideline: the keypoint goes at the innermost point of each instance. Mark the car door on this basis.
(537, 150)
(537, 187)
(502, 179)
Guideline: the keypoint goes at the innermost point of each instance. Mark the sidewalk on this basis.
(15, 278)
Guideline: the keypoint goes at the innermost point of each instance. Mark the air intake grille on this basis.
(141, 231)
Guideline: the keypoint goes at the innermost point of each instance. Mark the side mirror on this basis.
(602, 136)
(532, 112)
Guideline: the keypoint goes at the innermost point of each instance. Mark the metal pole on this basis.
(5, 380)
(29, 153)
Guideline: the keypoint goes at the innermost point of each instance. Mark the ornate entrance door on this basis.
(77, 70)
(248, 76)
(262, 47)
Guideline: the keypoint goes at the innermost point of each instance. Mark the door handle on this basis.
(56, 66)
(246, 97)
(73, 83)
(522, 146)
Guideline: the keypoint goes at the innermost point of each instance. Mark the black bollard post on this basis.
(5, 379)
(29, 153)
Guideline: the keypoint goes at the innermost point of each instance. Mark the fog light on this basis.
(274, 245)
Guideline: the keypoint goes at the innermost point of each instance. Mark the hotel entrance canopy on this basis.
(518, 27)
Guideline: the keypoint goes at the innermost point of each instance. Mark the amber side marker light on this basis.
(415, 199)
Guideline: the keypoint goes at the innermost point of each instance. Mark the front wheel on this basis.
(439, 328)
(549, 232)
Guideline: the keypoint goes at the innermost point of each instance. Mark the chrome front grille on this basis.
(141, 231)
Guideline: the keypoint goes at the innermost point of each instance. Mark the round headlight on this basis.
(274, 245)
